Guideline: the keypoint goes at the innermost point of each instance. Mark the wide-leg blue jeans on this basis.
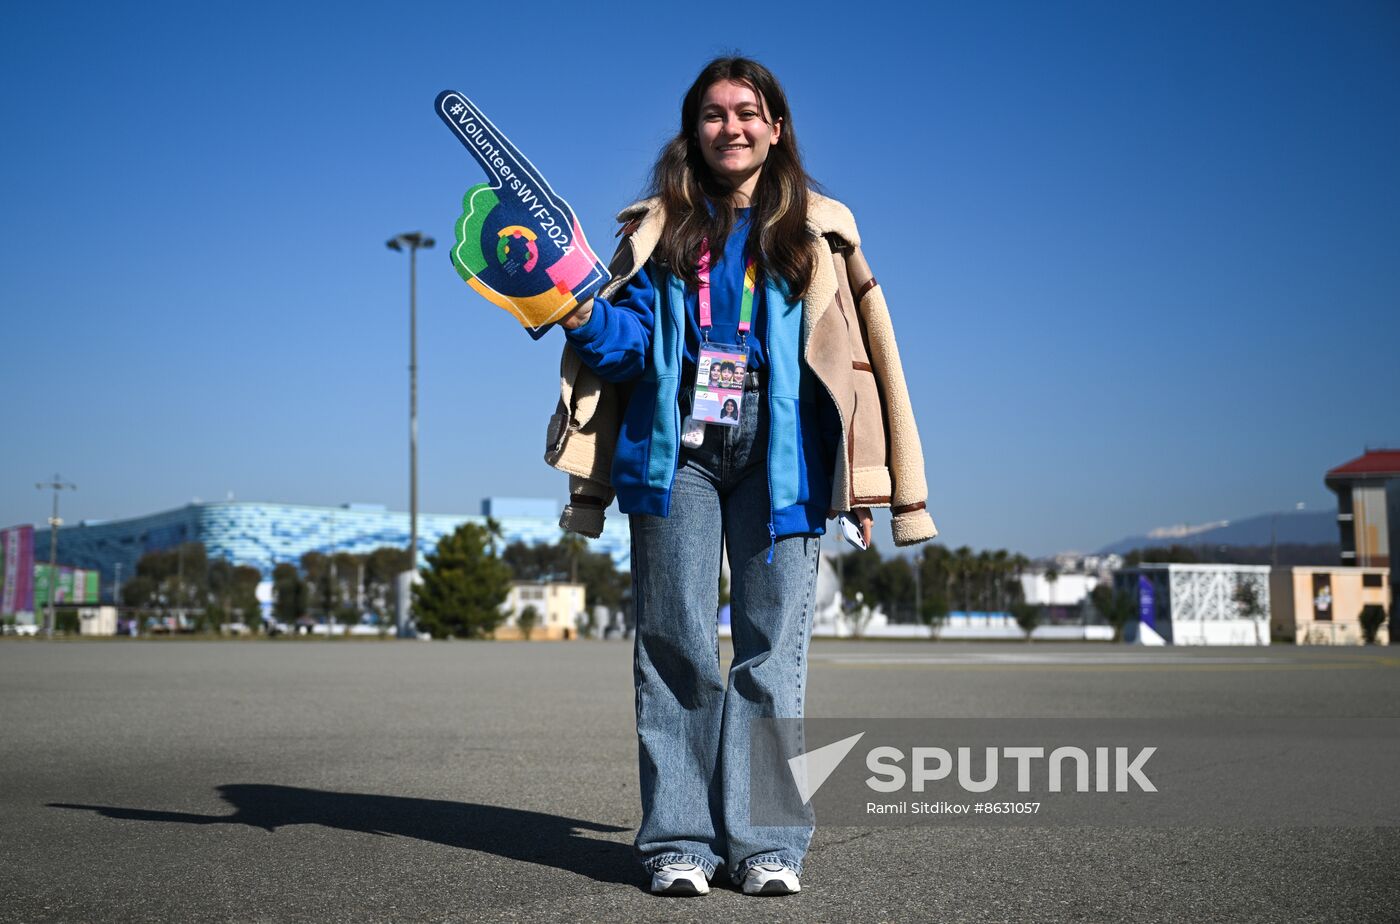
(692, 728)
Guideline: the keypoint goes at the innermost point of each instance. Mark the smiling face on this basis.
(734, 135)
(714, 373)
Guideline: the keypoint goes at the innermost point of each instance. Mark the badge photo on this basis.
(719, 384)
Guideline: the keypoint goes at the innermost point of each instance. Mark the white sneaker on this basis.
(680, 879)
(771, 879)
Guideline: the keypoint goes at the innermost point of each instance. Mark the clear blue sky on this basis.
(1143, 259)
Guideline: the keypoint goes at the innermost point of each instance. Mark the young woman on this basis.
(733, 254)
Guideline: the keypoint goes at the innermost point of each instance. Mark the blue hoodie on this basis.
(648, 333)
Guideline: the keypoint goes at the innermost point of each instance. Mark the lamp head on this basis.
(411, 240)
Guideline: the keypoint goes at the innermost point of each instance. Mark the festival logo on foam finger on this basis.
(518, 243)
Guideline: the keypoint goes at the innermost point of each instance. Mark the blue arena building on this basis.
(265, 535)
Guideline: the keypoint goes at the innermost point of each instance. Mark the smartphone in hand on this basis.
(851, 530)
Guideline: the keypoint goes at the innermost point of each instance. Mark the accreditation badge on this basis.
(719, 384)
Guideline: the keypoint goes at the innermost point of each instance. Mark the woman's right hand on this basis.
(579, 316)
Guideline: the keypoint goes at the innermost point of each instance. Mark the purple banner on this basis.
(1147, 602)
(17, 569)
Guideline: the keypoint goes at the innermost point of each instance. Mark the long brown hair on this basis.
(779, 239)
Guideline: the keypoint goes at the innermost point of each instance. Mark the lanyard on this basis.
(745, 305)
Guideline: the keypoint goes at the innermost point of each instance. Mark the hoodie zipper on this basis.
(768, 468)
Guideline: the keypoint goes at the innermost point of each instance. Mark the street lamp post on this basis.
(54, 523)
(412, 240)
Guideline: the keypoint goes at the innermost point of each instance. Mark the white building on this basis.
(1196, 604)
(1082, 563)
(1067, 590)
(560, 605)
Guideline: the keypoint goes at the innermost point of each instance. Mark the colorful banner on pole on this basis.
(76, 586)
(17, 570)
(518, 244)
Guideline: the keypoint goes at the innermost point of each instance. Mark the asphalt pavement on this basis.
(316, 780)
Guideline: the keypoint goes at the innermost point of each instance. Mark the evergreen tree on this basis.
(463, 586)
(528, 619)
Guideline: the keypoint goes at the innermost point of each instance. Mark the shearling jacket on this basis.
(847, 343)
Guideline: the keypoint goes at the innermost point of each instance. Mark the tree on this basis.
(231, 595)
(935, 582)
(858, 614)
(1116, 607)
(933, 613)
(289, 596)
(1016, 567)
(494, 535)
(1246, 597)
(602, 582)
(315, 571)
(527, 620)
(334, 582)
(463, 586)
(246, 604)
(141, 593)
(982, 571)
(573, 546)
(1372, 617)
(382, 569)
(171, 579)
(1002, 574)
(533, 562)
(859, 572)
(894, 587)
(961, 568)
(1027, 616)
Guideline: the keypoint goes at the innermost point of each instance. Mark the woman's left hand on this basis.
(863, 517)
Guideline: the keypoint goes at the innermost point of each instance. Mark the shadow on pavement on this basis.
(532, 837)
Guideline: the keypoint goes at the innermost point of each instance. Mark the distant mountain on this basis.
(1306, 528)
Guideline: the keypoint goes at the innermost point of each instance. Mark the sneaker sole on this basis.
(679, 887)
(775, 887)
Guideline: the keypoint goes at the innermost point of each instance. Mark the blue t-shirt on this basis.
(617, 338)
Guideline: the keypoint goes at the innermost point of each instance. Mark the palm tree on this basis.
(493, 534)
(961, 569)
(573, 545)
(987, 580)
(1001, 564)
(1051, 576)
(1019, 564)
